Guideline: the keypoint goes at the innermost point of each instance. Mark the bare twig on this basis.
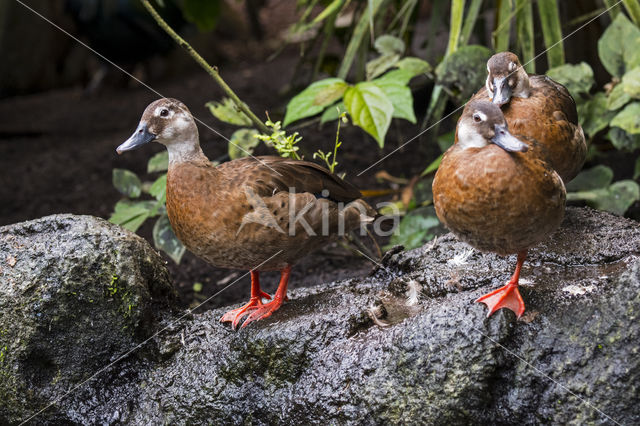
(211, 70)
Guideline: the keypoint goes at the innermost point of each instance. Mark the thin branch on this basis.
(212, 71)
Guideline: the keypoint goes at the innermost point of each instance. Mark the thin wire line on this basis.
(585, 401)
(141, 82)
(139, 345)
(463, 105)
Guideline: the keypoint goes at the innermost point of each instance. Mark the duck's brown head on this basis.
(506, 78)
(167, 121)
(483, 123)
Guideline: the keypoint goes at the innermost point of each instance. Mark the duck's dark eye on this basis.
(164, 112)
(477, 118)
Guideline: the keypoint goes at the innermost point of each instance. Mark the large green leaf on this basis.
(227, 111)
(395, 85)
(414, 65)
(617, 98)
(131, 214)
(628, 119)
(379, 65)
(577, 78)
(616, 198)
(594, 115)
(622, 140)
(158, 189)
(242, 143)
(370, 109)
(597, 177)
(618, 46)
(159, 162)
(314, 99)
(631, 83)
(127, 183)
(165, 239)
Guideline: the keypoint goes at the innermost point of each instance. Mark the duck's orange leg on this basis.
(234, 316)
(507, 296)
(265, 310)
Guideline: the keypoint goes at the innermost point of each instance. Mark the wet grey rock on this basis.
(407, 345)
(75, 292)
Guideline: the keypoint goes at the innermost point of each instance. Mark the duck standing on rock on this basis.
(535, 106)
(256, 213)
(498, 193)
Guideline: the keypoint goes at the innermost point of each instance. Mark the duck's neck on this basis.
(186, 152)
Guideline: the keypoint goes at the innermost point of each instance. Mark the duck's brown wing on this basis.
(269, 175)
(552, 91)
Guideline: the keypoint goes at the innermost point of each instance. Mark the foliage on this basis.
(131, 213)
(284, 144)
(330, 161)
(614, 110)
(373, 103)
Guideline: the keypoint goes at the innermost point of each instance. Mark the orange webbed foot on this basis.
(235, 316)
(507, 296)
(263, 311)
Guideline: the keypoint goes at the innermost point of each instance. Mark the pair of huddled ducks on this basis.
(496, 191)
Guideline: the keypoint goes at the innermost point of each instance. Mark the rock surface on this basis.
(75, 292)
(403, 345)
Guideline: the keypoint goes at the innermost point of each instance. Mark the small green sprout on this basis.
(326, 157)
(280, 141)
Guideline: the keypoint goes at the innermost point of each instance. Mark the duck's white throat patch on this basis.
(468, 137)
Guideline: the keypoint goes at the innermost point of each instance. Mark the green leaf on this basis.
(622, 140)
(597, 177)
(395, 85)
(203, 13)
(593, 114)
(414, 65)
(314, 99)
(628, 119)
(159, 162)
(464, 71)
(242, 143)
(333, 112)
(131, 214)
(631, 83)
(636, 169)
(127, 183)
(389, 45)
(414, 229)
(227, 112)
(525, 38)
(370, 109)
(159, 188)
(165, 239)
(618, 46)
(577, 78)
(617, 98)
(617, 198)
(379, 65)
(433, 166)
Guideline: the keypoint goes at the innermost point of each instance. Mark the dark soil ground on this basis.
(57, 152)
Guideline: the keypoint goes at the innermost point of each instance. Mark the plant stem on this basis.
(212, 71)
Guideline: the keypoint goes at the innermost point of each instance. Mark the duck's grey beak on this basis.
(507, 141)
(140, 137)
(502, 92)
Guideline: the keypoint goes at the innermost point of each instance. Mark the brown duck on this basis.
(497, 192)
(256, 213)
(535, 106)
